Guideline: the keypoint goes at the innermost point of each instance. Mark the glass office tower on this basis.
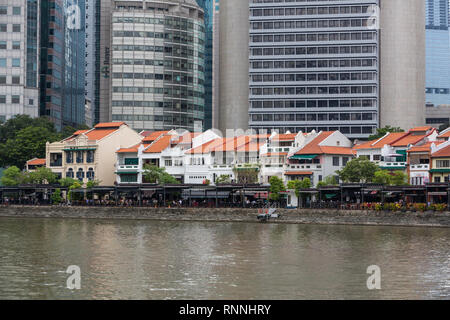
(158, 64)
(313, 66)
(437, 53)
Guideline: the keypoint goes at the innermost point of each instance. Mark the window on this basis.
(16, 62)
(15, 79)
(90, 174)
(3, 45)
(168, 163)
(2, 62)
(3, 10)
(16, 27)
(90, 156)
(80, 157)
(336, 161)
(69, 157)
(442, 163)
(15, 99)
(80, 174)
(344, 161)
(437, 179)
(69, 173)
(376, 157)
(16, 11)
(16, 45)
(3, 27)
(2, 99)
(2, 79)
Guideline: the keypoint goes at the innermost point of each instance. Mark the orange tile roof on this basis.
(133, 149)
(159, 145)
(230, 144)
(444, 152)
(423, 148)
(75, 134)
(205, 147)
(154, 135)
(285, 137)
(187, 137)
(298, 173)
(313, 146)
(110, 125)
(250, 147)
(378, 144)
(445, 134)
(337, 150)
(36, 162)
(408, 140)
(425, 128)
(98, 134)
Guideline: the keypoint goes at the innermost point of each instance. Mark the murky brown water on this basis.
(184, 260)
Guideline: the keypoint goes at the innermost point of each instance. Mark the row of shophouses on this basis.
(115, 154)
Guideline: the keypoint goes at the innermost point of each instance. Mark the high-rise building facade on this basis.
(62, 63)
(19, 58)
(211, 9)
(233, 95)
(314, 66)
(437, 53)
(158, 64)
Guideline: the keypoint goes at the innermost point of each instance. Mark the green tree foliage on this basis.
(358, 170)
(23, 138)
(92, 183)
(66, 182)
(276, 186)
(399, 178)
(246, 175)
(41, 176)
(56, 196)
(382, 177)
(74, 196)
(328, 181)
(12, 176)
(223, 179)
(155, 174)
(382, 132)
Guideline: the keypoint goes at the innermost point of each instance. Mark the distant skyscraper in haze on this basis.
(437, 52)
(19, 58)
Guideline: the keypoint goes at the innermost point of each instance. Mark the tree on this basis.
(358, 170)
(29, 143)
(246, 175)
(223, 179)
(66, 182)
(276, 186)
(12, 176)
(70, 194)
(328, 181)
(56, 196)
(68, 131)
(382, 177)
(295, 185)
(41, 176)
(381, 132)
(92, 183)
(399, 178)
(155, 174)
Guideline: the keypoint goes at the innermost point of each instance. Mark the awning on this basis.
(437, 193)
(303, 156)
(126, 172)
(298, 173)
(440, 170)
(330, 195)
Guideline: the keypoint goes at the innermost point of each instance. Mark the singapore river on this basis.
(121, 259)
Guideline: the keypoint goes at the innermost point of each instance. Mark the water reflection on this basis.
(181, 260)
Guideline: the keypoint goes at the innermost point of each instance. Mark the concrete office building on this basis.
(314, 66)
(157, 64)
(437, 53)
(402, 63)
(233, 68)
(19, 58)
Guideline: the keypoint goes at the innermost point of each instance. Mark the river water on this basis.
(121, 259)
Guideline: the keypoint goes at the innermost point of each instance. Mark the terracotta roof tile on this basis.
(444, 152)
(159, 145)
(110, 124)
(98, 134)
(154, 135)
(36, 162)
(313, 146)
(285, 137)
(380, 143)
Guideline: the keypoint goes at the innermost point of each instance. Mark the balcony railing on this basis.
(392, 165)
(424, 167)
(127, 167)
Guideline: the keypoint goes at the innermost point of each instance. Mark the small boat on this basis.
(266, 214)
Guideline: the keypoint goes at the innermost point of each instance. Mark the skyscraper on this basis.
(62, 63)
(210, 8)
(233, 66)
(437, 53)
(314, 66)
(19, 58)
(158, 64)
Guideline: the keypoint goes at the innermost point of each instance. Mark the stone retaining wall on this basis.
(305, 216)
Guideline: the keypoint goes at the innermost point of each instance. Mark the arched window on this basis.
(80, 174)
(90, 174)
(69, 173)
